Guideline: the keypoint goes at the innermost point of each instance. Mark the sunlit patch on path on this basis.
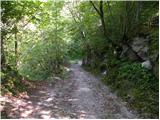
(43, 102)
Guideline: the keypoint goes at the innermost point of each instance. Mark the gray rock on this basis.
(57, 78)
(154, 57)
(141, 47)
(127, 53)
(104, 73)
(147, 64)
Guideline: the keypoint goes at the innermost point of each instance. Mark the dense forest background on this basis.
(115, 39)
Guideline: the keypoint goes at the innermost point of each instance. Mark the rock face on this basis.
(141, 47)
(128, 53)
(155, 62)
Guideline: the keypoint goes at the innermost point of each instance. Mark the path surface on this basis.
(80, 96)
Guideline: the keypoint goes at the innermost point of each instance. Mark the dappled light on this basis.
(40, 102)
(32, 107)
(62, 102)
(65, 59)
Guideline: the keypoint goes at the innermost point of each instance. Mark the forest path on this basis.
(80, 96)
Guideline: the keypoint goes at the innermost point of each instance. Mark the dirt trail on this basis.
(80, 96)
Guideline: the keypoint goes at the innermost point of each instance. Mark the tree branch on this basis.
(95, 8)
(101, 9)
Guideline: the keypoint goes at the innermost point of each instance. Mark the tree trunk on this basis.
(138, 9)
(100, 11)
(16, 50)
(102, 17)
(3, 58)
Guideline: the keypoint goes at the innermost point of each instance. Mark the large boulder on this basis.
(141, 47)
(138, 49)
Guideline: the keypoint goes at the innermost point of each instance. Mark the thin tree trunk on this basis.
(100, 11)
(138, 9)
(3, 58)
(16, 50)
(102, 17)
(101, 14)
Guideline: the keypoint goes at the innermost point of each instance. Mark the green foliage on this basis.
(34, 40)
(46, 55)
(11, 82)
(154, 46)
(12, 12)
(75, 50)
(136, 85)
(43, 60)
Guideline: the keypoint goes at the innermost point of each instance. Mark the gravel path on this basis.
(92, 99)
(80, 96)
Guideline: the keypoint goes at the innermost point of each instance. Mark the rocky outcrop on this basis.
(139, 48)
(127, 53)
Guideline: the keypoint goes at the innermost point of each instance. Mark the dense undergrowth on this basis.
(12, 82)
(136, 85)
